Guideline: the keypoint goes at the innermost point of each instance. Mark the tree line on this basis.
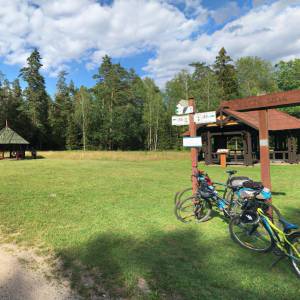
(122, 111)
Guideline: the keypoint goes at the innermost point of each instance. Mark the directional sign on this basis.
(181, 110)
(205, 117)
(180, 120)
(192, 141)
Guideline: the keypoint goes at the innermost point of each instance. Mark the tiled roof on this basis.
(277, 120)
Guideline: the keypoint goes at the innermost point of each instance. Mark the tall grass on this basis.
(116, 155)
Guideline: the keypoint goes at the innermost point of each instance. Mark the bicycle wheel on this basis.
(253, 237)
(181, 194)
(193, 209)
(294, 239)
(276, 215)
(235, 203)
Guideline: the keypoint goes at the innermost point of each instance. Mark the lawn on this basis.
(115, 219)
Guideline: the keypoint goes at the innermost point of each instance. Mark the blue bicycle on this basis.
(199, 206)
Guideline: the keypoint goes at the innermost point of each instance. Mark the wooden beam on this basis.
(275, 100)
(264, 148)
(194, 150)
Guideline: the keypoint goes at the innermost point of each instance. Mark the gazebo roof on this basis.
(277, 120)
(10, 137)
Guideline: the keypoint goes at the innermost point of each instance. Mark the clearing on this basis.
(111, 222)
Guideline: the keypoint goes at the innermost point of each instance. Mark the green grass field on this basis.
(115, 218)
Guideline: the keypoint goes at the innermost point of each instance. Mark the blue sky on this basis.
(157, 38)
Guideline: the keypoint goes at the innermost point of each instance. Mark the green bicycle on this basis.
(255, 229)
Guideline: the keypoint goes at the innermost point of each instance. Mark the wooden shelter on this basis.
(239, 133)
(12, 142)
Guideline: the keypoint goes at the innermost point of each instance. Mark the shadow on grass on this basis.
(179, 264)
(292, 214)
(278, 193)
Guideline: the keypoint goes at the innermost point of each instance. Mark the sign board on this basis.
(222, 151)
(183, 108)
(192, 141)
(180, 110)
(181, 120)
(205, 117)
(183, 103)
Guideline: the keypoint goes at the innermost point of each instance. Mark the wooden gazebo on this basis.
(12, 142)
(238, 132)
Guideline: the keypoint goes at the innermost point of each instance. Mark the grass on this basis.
(116, 155)
(115, 219)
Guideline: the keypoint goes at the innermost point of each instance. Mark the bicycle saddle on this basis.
(231, 172)
(288, 226)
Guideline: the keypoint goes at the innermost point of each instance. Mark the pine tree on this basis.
(61, 109)
(113, 92)
(73, 130)
(205, 87)
(226, 74)
(37, 98)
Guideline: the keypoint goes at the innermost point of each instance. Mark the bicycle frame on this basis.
(278, 235)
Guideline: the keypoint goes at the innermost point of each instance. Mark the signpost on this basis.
(194, 150)
(186, 115)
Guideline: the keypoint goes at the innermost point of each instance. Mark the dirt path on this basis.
(26, 276)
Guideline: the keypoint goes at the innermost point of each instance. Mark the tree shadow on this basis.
(292, 214)
(180, 264)
(278, 193)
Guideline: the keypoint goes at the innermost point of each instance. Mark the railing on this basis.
(238, 156)
(279, 155)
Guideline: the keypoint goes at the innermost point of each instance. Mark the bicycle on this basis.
(263, 234)
(196, 205)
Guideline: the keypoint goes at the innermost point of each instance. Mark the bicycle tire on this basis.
(252, 237)
(187, 211)
(294, 239)
(235, 205)
(180, 194)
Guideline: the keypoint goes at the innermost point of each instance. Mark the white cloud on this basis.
(221, 15)
(68, 30)
(83, 31)
(270, 32)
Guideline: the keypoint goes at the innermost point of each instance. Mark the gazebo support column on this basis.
(264, 148)
(208, 156)
(292, 149)
(247, 142)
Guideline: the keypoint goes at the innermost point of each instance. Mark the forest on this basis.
(123, 111)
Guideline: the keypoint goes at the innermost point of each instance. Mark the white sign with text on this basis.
(192, 141)
(181, 120)
(205, 117)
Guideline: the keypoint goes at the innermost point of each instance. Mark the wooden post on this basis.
(223, 160)
(249, 148)
(194, 150)
(209, 149)
(264, 148)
